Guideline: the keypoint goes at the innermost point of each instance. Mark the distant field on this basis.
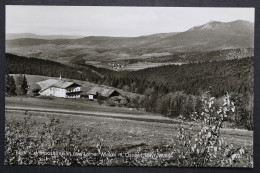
(143, 65)
(132, 66)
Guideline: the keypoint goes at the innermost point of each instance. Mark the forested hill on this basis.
(19, 64)
(217, 55)
(235, 76)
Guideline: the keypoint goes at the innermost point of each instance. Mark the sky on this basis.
(115, 21)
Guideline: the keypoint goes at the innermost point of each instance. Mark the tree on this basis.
(134, 101)
(141, 101)
(34, 90)
(177, 103)
(21, 85)
(126, 88)
(24, 85)
(244, 110)
(10, 88)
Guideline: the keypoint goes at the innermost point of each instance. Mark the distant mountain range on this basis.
(13, 36)
(208, 37)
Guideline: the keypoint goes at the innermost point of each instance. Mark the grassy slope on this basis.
(66, 104)
(123, 135)
(83, 105)
(118, 132)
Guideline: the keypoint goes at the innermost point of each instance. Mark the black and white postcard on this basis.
(129, 86)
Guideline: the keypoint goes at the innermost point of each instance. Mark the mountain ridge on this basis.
(13, 36)
(32, 35)
(211, 36)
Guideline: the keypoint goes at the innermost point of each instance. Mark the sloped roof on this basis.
(105, 92)
(54, 83)
(35, 87)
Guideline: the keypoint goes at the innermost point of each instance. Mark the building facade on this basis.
(59, 88)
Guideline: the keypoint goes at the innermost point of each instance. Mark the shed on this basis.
(101, 92)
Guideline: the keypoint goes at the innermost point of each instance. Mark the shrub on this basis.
(110, 103)
(207, 148)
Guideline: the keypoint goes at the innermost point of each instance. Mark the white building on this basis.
(59, 88)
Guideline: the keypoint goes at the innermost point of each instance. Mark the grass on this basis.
(118, 135)
(160, 126)
(67, 104)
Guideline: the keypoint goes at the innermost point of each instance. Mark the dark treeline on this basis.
(221, 76)
(217, 55)
(173, 90)
(235, 76)
(33, 66)
(15, 87)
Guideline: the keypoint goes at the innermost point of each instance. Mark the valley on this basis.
(188, 95)
(209, 42)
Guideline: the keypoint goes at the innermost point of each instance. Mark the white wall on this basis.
(59, 92)
(90, 97)
(53, 91)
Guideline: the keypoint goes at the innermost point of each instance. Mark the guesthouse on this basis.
(59, 88)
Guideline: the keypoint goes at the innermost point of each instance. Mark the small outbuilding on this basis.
(100, 92)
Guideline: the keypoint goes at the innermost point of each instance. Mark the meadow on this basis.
(49, 138)
(143, 65)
